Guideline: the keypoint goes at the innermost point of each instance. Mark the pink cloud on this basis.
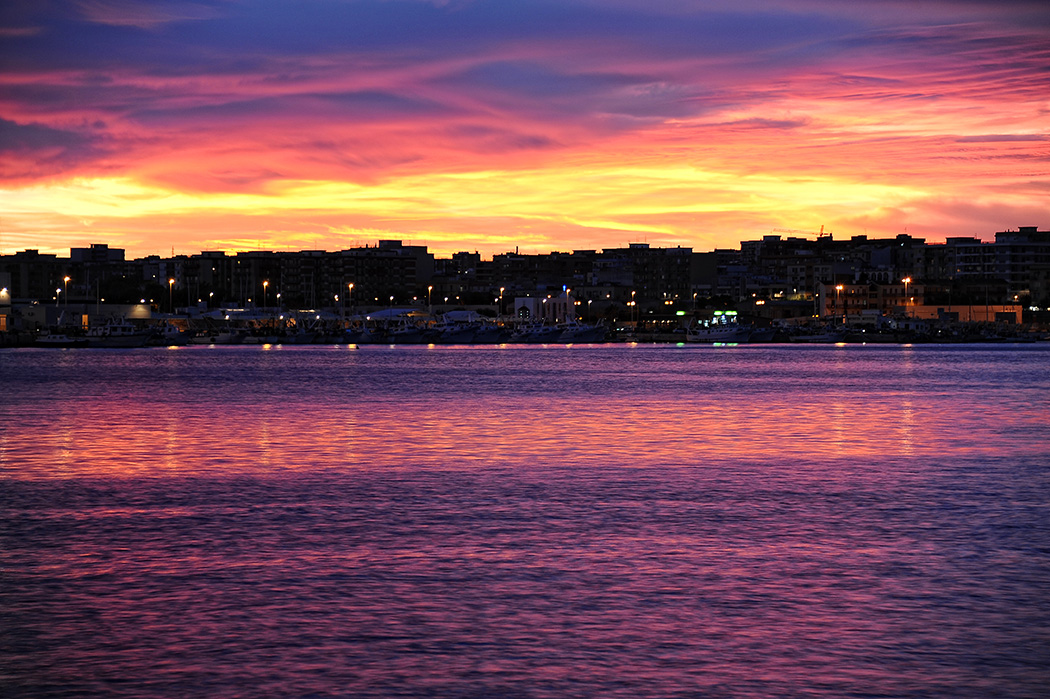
(829, 104)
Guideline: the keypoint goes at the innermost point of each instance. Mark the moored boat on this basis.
(406, 333)
(761, 335)
(456, 334)
(218, 337)
(168, 335)
(118, 334)
(826, 336)
(576, 333)
(730, 334)
(60, 340)
(489, 333)
(537, 334)
(721, 327)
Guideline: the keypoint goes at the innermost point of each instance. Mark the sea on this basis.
(526, 521)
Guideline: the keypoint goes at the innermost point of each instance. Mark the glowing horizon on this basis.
(487, 126)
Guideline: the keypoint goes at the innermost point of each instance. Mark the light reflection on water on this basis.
(526, 521)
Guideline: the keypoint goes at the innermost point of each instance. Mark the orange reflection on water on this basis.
(480, 431)
(269, 409)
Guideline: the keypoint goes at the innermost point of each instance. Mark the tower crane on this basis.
(795, 230)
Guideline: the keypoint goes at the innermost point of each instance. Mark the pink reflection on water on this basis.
(631, 417)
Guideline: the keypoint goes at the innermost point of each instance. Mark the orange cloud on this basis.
(486, 127)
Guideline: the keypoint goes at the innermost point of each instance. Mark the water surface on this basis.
(608, 520)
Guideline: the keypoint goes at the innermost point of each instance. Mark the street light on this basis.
(501, 300)
(171, 295)
(350, 296)
(907, 281)
(838, 294)
(65, 289)
(58, 296)
(430, 309)
(266, 283)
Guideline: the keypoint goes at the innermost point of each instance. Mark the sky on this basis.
(517, 124)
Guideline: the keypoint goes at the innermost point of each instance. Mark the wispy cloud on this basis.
(1000, 138)
(143, 15)
(684, 121)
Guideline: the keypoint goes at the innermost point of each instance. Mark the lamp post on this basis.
(350, 297)
(634, 307)
(171, 295)
(907, 281)
(501, 289)
(838, 295)
(266, 283)
(430, 308)
(65, 290)
(58, 296)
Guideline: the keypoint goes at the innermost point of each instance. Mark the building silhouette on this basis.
(793, 276)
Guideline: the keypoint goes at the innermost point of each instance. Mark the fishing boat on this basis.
(168, 335)
(118, 334)
(722, 327)
(488, 333)
(582, 333)
(455, 333)
(227, 336)
(537, 334)
(820, 336)
(60, 340)
(761, 335)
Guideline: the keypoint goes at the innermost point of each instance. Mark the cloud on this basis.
(35, 150)
(143, 15)
(760, 123)
(654, 115)
(17, 32)
(489, 139)
(1002, 138)
(30, 137)
(303, 108)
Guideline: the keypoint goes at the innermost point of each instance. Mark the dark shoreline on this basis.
(25, 341)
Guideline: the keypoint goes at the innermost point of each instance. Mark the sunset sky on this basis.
(544, 125)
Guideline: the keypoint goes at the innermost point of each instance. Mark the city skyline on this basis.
(494, 126)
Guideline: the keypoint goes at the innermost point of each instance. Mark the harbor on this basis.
(468, 327)
(471, 349)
